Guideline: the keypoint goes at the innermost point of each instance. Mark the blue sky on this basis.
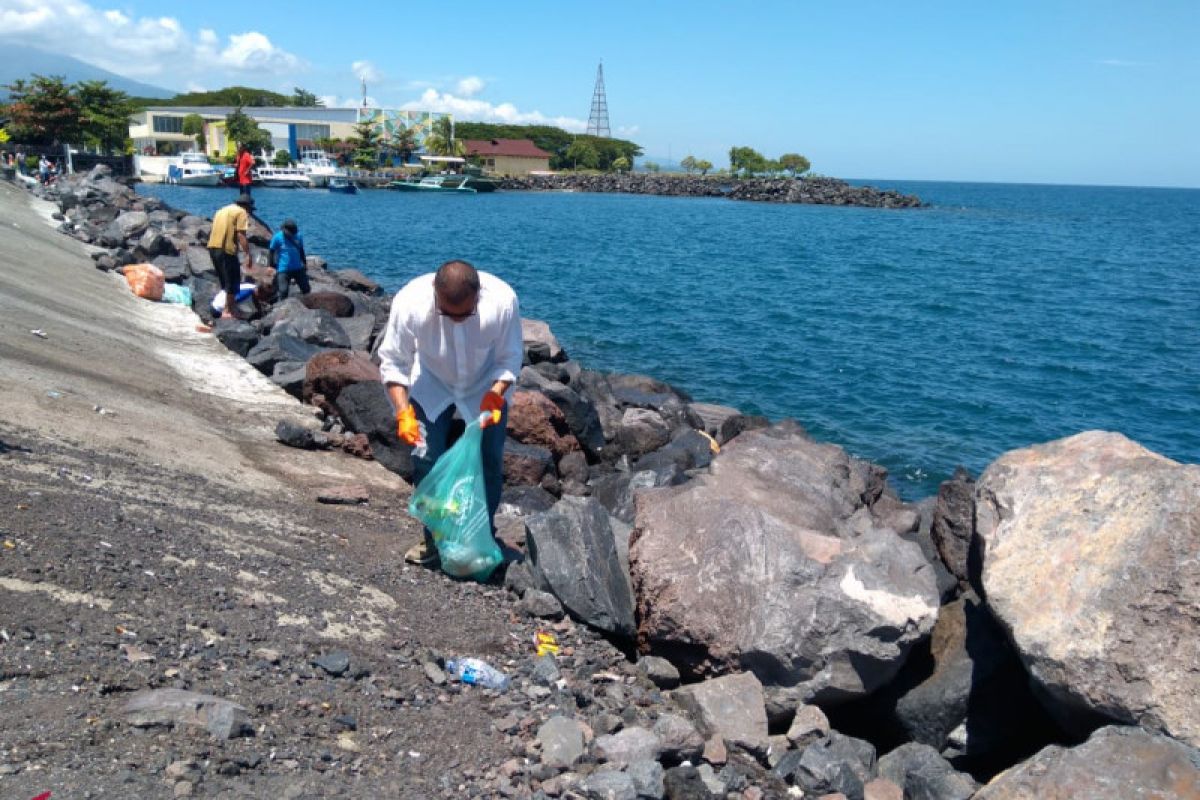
(1047, 92)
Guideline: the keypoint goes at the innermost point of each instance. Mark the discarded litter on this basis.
(544, 643)
(53, 395)
(477, 672)
(41, 334)
(177, 294)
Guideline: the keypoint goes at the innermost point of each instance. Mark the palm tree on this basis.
(441, 141)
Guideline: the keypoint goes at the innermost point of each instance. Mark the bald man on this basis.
(452, 346)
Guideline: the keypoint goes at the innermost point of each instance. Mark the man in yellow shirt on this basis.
(230, 225)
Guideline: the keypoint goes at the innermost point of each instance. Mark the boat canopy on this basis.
(444, 159)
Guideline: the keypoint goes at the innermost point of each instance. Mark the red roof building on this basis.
(508, 156)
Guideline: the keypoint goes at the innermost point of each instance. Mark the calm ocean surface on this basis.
(1002, 316)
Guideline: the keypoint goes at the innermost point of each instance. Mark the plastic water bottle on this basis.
(477, 672)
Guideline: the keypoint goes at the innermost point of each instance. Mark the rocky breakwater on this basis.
(819, 191)
(798, 628)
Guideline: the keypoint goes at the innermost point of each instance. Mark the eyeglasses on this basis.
(461, 316)
(457, 317)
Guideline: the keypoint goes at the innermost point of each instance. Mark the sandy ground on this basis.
(177, 397)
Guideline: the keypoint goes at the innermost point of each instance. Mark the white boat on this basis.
(319, 167)
(193, 169)
(282, 177)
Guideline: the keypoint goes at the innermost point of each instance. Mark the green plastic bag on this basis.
(452, 503)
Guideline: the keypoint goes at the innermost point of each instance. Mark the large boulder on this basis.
(573, 555)
(1115, 762)
(578, 410)
(365, 408)
(526, 464)
(1089, 562)
(359, 330)
(540, 343)
(330, 372)
(534, 419)
(336, 303)
(642, 431)
(953, 526)
(132, 224)
(773, 563)
(316, 327)
(280, 347)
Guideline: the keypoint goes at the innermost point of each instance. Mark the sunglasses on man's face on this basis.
(458, 316)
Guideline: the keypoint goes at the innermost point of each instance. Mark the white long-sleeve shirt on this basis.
(443, 362)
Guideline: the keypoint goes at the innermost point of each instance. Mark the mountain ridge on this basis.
(22, 61)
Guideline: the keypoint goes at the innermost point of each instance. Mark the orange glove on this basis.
(407, 427)
(493, 402)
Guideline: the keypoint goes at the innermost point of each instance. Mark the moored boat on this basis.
(282, 177)
(193, 169)
(342, 186)
(319, 167)
(434, 183)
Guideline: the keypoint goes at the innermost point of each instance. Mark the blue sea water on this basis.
(999, 316)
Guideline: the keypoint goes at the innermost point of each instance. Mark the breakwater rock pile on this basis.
(798, 628)
(818, 191)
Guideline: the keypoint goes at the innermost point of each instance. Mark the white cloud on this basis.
(155, 49)
(467, 108)
(627, 131)
(470, 86)
(366, 71)
(254, 52)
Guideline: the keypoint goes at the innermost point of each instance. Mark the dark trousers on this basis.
(438, 440)
(284, 280)
(229, 269)
(244, 188)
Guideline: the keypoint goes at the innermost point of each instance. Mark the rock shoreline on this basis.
(811, 191)
(816, 621)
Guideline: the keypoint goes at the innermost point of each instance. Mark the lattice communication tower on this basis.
(598, 119)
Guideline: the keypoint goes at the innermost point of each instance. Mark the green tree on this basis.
(282, 158)
(651, 166)
(794, 163)
(243, 130)
(104, 114)
(441, 141)
(688, 163)
(305, 99)
(4, 137)
(366, 145)
(703, 166)
(44, 110)
(404, 141)
(746, 160)
(193, 125)
(582, 153)
(621, 164)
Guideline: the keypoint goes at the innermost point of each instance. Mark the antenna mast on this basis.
(598, 119)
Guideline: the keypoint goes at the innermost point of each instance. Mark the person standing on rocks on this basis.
(289, 259)
(453, 344)
(229, 234)
(245, 169)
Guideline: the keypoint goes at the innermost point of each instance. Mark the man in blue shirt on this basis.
(289, 260)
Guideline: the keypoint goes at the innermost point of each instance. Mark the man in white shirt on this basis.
(453, 343)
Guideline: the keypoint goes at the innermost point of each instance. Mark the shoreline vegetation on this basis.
(793, 618)
(807, 190)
